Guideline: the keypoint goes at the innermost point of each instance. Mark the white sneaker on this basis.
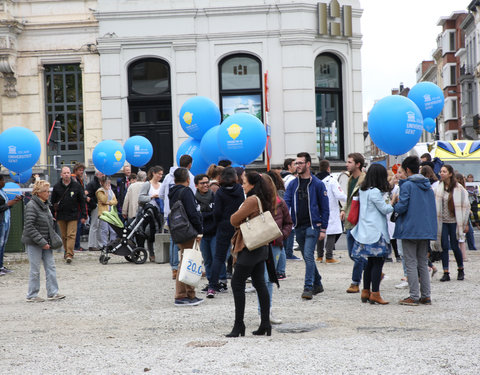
(250, 289)
(273, 320)
(402, 285)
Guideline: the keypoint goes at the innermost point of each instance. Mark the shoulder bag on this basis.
(354, 211)
(260, 230)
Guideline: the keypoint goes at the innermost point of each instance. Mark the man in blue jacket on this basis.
(307, 199)
(416, 225)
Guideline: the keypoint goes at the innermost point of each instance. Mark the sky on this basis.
(397, 36)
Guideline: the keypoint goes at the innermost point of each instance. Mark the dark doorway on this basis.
(150, 108)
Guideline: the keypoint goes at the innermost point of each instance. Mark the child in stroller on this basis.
(129, 238)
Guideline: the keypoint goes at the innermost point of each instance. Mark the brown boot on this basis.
(376, 298)
(353, 289)
(365, 295)
(174, 274)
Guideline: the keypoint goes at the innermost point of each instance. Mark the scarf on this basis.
(205, 200)
(461, 205)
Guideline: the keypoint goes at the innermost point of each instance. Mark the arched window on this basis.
(150, 107)
(241, 88)
(329, 107)
(241, 85)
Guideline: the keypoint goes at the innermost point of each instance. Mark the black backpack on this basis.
(180, 227)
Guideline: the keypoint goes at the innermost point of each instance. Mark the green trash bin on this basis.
(14, 243)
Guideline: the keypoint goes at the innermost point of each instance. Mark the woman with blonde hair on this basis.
(40, 239)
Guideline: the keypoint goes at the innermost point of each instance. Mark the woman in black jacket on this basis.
(227, 200)
(37, 234)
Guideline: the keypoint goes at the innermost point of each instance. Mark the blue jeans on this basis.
(400, 252)
(359, 263)
(173, 255)
(79, 231)
(307, 241)
(276, 251)
(36, 256)
(282, 261)
(4, 230)
(449, 231)
(289, 244)
(470, 237)
(207, 246)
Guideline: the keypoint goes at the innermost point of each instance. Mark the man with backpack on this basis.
(185, 224)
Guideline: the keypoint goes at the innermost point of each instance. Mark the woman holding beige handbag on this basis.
(251, 263)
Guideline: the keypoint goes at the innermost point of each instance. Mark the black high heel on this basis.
(263, 330)
(238, 330)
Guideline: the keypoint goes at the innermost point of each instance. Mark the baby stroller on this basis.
(126, 244)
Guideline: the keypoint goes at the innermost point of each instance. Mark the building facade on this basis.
(50, 77)
(301, 58)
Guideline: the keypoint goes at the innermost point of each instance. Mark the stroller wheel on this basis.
(103, 259)
(139, 255)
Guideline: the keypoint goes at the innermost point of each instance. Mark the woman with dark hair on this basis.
(453, 211)
(371, 233)
(277, 180)
(227, 200)
(251, 263)
(149, 193)
(428, 172)
(214, 172)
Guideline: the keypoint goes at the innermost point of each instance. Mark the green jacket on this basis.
(346, 208)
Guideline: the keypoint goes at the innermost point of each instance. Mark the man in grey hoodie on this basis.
(415, 226)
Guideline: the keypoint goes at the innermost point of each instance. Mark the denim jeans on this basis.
(289, 244)
(173, 255)
(276, 251)
(449, 231)
(80, 227)
(207, 246)
(359, 263)
(4, 230)
(470, 237)
(36, 256)
(282, 261)
(307, 241)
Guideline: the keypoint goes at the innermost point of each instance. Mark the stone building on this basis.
(50, 73)
(302, 57)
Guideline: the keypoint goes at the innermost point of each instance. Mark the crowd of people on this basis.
(416, 212)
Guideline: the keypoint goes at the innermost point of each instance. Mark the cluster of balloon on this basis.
(19, 151)
(429, 99)
(240, 138)
(396, 123)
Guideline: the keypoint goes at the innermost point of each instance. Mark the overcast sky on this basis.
(397, 36)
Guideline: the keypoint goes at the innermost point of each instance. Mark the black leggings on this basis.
(373, 273)
(239, 279)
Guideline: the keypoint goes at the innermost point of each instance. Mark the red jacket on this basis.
(283, 220)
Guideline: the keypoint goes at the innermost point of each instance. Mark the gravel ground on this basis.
(120, 319)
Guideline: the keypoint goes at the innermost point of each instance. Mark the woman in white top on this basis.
(149, 193)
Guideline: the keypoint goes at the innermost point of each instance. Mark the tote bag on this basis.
(260, 230)
(354, 211)
(192, 266)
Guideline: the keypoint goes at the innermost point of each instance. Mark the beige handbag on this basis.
(261, 230)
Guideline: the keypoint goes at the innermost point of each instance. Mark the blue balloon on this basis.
(428, 97)
(242, 138)
(14, 190)
(138, 150)
(429, 124)
(21, 177)
(209, 146)
(198, 115)
(108, 157)
(19, 149)
(395, 124)
(192, 147)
